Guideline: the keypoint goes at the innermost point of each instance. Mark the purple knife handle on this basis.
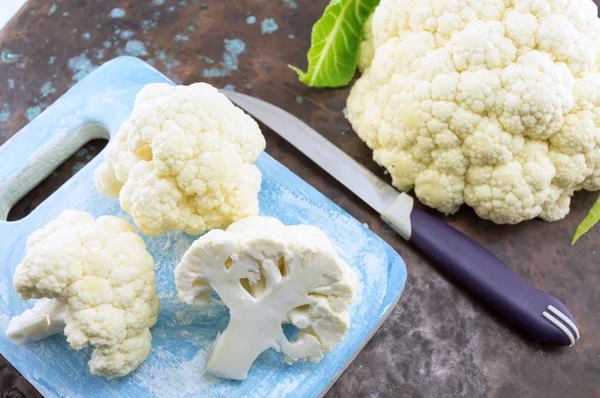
(539, 314)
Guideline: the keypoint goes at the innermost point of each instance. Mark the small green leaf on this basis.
(335, 42)
(588, 222)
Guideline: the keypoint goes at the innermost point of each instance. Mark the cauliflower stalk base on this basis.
(46, 318)
(490, 103)
(269, 274)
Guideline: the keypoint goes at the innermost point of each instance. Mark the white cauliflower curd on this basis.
(183, 160)
(96, 281)
(269, 274)
(492, 103)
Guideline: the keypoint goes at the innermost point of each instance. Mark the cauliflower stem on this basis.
(46, 318)
(268, 274)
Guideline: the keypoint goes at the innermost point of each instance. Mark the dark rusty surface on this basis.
(438, 341)
(58, 177)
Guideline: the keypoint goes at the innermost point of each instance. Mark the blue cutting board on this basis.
(183, 335)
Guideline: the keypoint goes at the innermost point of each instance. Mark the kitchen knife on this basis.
(537, 313)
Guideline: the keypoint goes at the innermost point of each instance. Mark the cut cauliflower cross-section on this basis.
(95, 280)
(491, 103)
(269, 274)
(183, 160)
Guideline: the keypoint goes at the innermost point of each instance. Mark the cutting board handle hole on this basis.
(30, 190)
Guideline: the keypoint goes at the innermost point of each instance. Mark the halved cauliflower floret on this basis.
(490, 103)
(95, 280)
(269, 274)
(184, 160)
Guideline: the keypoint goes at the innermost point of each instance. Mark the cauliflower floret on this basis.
(96, 280)
(184, 160)
(269, 274)
(490, 103)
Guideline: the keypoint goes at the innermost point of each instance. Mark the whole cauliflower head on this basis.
(493, 103)
(101, 283)
(269, 274)
(183, 160)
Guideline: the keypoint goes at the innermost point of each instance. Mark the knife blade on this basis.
(537, 313)
(353, 175)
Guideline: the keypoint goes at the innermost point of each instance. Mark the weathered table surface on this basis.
(439, 341)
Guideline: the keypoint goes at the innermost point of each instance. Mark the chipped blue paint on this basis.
(9, 57)
(147, 25)
(248, 86)
(214, 72)
(291, 3)
(107, 44)
(80, 66)
(161, 55)
(65, 14)
(99, 53)
(251, 20)
(181, 340)
(180, 37)
(51, 60)
(292, 36)
(268, 26)
(32, 112)
(126, 34)
(86, 36)
(11, 83)
(229, 87)
(52, 9)
(135, 48)
(171, 9)
(183, 3)
(46, 90)
(83, 153)
(233, 49)
(206, 59)
(158, 2)
(5, 112)
(77, 167)
(300, 100)
(169, 62)
(117, 13)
